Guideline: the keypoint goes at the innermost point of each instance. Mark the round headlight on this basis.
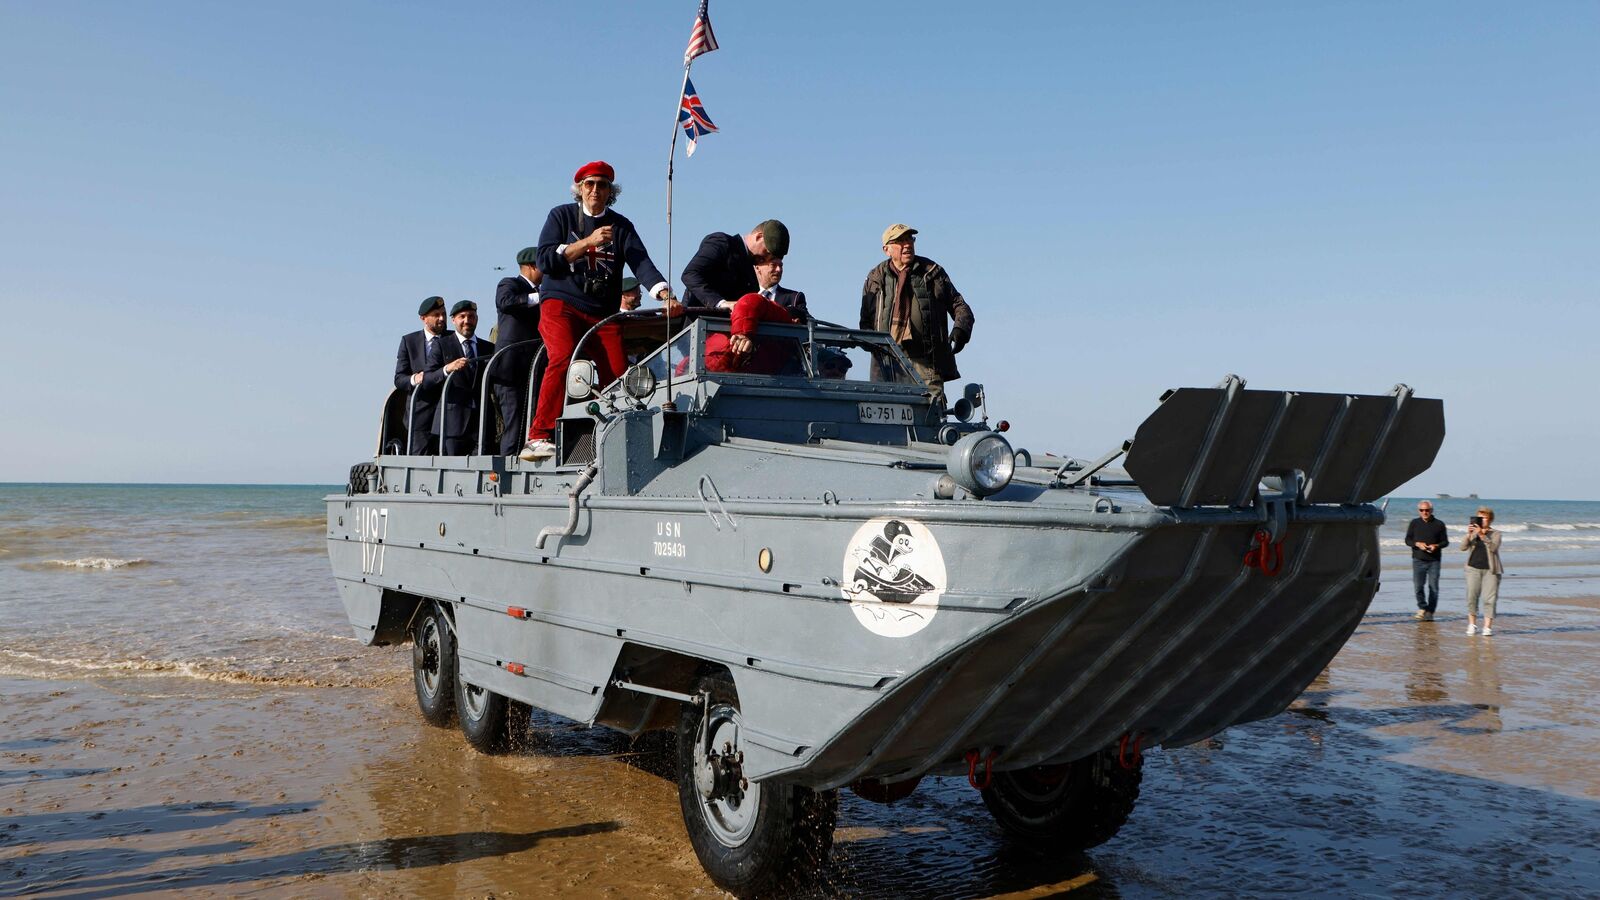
(640, 382)
(982, 463)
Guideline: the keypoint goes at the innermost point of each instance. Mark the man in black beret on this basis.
(516, 303)
(723, 269)
(411, 375)
(462, 356)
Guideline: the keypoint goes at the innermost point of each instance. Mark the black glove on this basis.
(958, 339)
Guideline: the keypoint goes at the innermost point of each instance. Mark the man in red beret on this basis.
(581, 252)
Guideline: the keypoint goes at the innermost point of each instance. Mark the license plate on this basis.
(887, 413)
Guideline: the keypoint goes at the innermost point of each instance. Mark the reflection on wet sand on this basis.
(1421, 761)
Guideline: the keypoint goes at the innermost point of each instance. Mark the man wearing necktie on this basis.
(768, 274)
(462, 356)
(411, 375)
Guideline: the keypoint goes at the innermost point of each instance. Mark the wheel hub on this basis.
(727, 798)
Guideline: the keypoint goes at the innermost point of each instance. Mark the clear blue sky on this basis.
(218, 219)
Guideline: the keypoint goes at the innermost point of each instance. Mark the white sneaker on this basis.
(1472, 630)
(1487, 631)
(537, 450)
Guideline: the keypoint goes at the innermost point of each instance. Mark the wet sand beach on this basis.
(1422, 762)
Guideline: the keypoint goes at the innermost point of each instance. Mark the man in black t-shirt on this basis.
(1426, 537)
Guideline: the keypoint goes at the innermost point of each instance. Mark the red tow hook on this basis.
(972, 769)
(1265, 554)
(1123, 759)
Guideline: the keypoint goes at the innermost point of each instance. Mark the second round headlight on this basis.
(982, 462)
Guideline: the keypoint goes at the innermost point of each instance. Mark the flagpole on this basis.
(672, 153)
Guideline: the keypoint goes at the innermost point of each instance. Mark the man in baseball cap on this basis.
(723, 269)
(912, 298)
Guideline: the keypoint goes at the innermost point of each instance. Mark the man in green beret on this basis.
(516, 303)
(723, 269)
(461, 356)
(411, 376)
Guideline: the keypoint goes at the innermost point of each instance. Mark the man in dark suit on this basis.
(768, 274)
(516, 303)
(462, 356)
(723, 269)
(411, 374)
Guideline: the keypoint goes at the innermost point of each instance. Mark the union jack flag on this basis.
(701, 40)
(596, 261)
(692, 115)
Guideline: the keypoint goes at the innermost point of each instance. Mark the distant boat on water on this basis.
(1448, 497)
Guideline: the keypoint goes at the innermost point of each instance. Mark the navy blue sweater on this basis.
(593, 282)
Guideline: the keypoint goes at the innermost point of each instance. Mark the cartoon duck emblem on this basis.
(893, 575)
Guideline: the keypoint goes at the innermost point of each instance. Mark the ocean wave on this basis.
(21, 663)
(104, 563)
(289, 522)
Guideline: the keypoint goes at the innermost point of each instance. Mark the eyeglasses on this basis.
(1424, 509)
(595, 183)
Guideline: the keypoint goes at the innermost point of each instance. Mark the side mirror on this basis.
(580, 380)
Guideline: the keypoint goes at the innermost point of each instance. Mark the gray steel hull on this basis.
(1059, 630)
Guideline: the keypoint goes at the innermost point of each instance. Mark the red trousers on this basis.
(562, 327)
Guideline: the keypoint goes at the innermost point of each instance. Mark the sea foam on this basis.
(96, 562)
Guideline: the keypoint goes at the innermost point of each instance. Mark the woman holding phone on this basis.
(1482, 544)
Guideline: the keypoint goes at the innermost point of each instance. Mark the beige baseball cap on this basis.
(897, 231)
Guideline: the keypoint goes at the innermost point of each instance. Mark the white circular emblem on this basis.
(893, 576)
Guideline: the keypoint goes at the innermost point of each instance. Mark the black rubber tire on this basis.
(363, 477)
(493, 723)
(793, 830)
(1069, 807)
(433, 665)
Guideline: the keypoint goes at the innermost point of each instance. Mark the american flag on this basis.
(701, 40)
(692, 115)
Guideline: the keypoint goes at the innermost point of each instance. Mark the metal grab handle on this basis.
(626, 313)
(532, 394)
(444, 404)
(411, 411)
(483, 392)
(715, 495)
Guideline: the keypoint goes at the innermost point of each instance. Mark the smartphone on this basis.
(1477, 520)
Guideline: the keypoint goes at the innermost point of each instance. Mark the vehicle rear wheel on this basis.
(750, 836)
(433, 665)
(492, 722)
(1069, 807)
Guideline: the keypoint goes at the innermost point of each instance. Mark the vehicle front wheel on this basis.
(492, 722)
(433, 665)
(751, 837)
(1075, 806)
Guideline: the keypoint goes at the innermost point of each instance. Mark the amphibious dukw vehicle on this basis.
(823, 582)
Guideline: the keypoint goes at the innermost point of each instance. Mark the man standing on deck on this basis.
(411, 375)
(910, 297)
(581, 252)
(462, 356)
(1426, 536)
(723, 269)
(516, 303)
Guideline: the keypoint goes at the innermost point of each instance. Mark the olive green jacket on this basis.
(934, 303)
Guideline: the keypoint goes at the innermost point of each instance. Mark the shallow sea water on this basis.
(185, 710)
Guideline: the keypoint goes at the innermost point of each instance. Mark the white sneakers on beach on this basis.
(1487, 631)
(537, 450)
(1472, 630)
